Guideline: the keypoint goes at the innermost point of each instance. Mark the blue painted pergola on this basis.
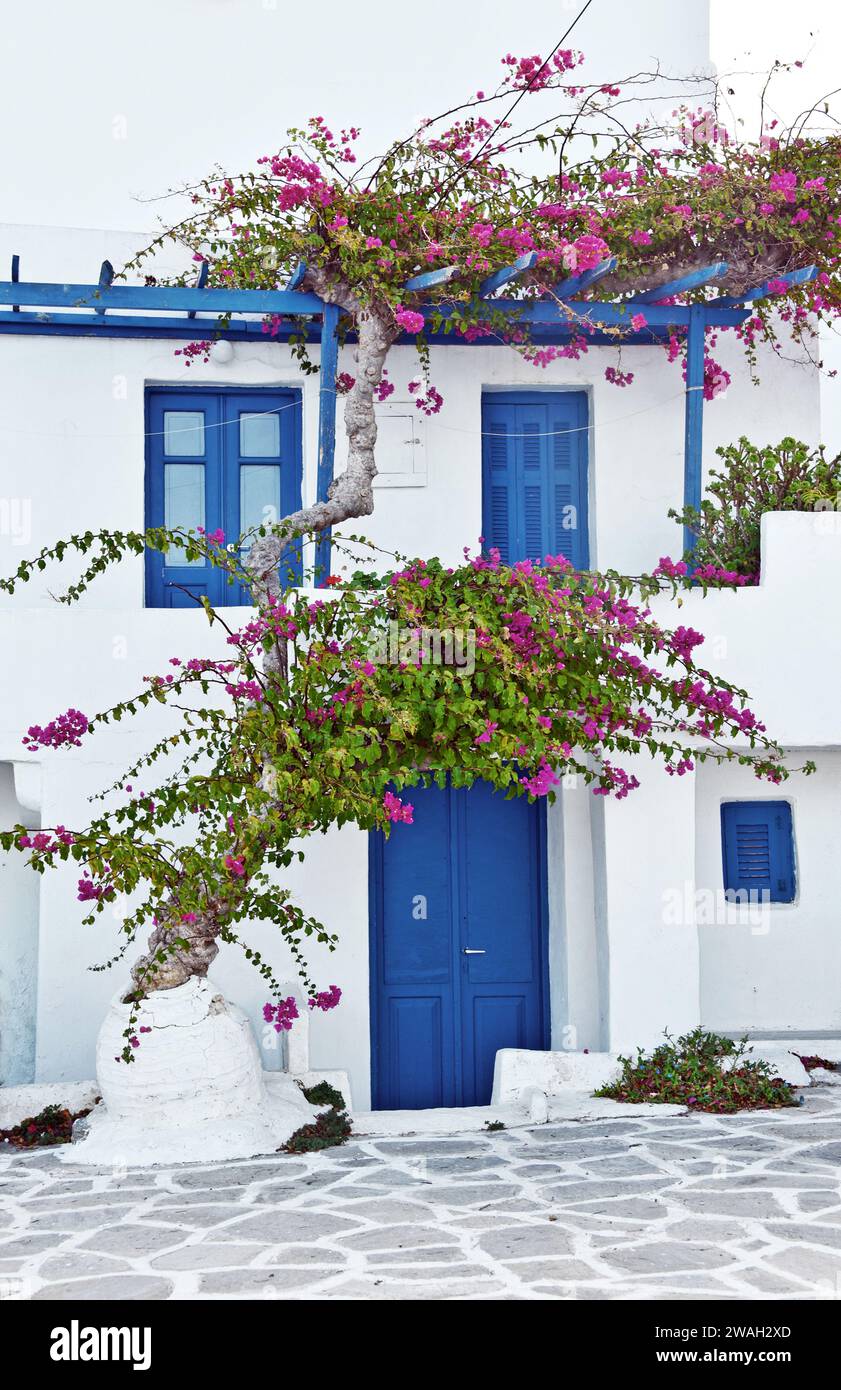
(152, 311)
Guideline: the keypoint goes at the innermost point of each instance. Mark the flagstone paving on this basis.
(698, 1206)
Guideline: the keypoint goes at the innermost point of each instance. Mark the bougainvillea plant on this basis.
(567, 674)
(752, 480)
(543, 161)
(300, 724)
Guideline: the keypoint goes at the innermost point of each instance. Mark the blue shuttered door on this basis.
(458, 946)
(222, 460)
(534, 475)
(758, 849)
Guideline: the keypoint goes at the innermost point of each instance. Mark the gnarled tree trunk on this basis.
(350, 495)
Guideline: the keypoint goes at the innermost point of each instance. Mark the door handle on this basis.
(468, 952)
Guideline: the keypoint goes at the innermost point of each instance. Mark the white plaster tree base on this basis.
(195, 1090)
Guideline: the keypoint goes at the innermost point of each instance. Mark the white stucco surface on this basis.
(72, 458)
(194, 1091)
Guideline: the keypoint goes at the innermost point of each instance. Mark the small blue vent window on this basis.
(757, 841)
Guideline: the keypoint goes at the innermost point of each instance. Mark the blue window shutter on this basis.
(568, 499)
(183, 442)
(236, 441)
(532, 481)
(758, 849)
(534, 475)
(499, 525)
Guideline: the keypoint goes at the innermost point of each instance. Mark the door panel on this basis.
(458, 950)
(412, 886)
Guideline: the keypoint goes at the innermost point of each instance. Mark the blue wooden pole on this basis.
(694, 419)
(326, 426)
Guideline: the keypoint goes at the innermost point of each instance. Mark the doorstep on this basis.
(573, 1106)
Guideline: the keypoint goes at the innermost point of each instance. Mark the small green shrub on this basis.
(53, 1125)
(689, 1072)
(494, 1126)
(330, 1128)
(324, 1094)
(784, 477)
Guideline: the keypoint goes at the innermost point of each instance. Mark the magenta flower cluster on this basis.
(67, 730)
(409, 319)
(667, 568)
(282, 1015)
(326, 999)
(396, 810)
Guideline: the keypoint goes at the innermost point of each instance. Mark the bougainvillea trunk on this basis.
(177, 951)
(168, 964)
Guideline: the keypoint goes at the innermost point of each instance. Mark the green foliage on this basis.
(324, 1094)
(784, 477)
(702, 1070)
(53, 1125)
(253, 764)
(331, 1128)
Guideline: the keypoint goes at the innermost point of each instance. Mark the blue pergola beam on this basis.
(693, 281)
(15, 278)
(217, 302)
(791, 278)
(694, 417)
(201, 281)
(326, 427)
(159, 297)
(576, 283)
(430, 278)
(297, 276)
(548, 311)
(507, 274)
(106, 275)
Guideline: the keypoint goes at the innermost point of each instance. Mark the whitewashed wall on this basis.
(778, 969)
(72, 426)
(72, 458)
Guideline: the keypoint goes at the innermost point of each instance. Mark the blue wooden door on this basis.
(458, 946)
(534, 475)
(225, 461)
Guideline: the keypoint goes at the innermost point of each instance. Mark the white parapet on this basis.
(518, 1073)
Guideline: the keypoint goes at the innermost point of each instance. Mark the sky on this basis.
(124, 100)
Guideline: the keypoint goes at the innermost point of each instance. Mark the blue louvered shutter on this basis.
(499, 481)
(566, 445)
(758, 849)
(535, 475)
(532, 482)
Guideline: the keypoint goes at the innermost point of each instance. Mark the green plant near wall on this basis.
(703, 1070)
(784, 477)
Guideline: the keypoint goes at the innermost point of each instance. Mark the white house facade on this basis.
(589, 924)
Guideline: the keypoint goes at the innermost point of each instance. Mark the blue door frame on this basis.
(212, 461)
(451, 988)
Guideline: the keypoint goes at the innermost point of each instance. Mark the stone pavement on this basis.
(745, 1206)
